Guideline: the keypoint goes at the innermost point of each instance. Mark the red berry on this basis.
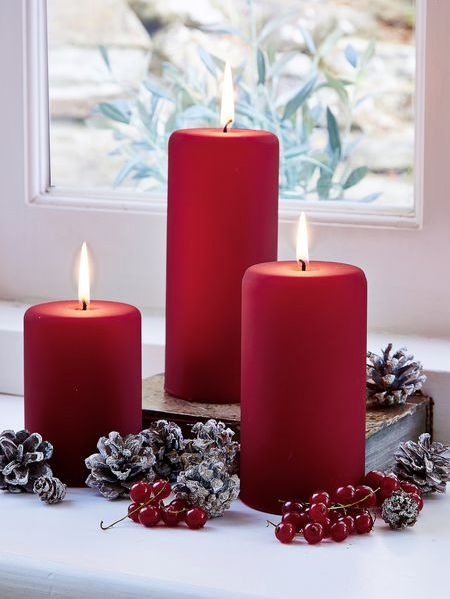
(294, 518)
(365, 496)
(363, 523)
(344, 495)
(418, 499)
(133, 511)
(285, 532)
(318, 512)
(410, 487)
(320, 497)
(326, 525)
(140, 492)
(313, 533)
(161, 489)
(336, 514)
(179, 504)
(389, 484)
(196, 518)
(292, 506)
(349, 522)
(170, 516)
(304, 520)
(373, 479)
(339, 531)
(149, 515)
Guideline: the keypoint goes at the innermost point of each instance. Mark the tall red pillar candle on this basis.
(82, 378)
(222, 218)
(303, 381)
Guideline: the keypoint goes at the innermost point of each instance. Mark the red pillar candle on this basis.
(303, 381)
(222, 218)
(82, 378)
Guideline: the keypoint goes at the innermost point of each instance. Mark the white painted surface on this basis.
(59, 551)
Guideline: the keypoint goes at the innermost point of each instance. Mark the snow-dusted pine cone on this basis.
(49, 489)
(392, 378)
(23, 459)
(120, 463)
(424, 464)
(212, 437)
(400, 510)
(208, 485)
(166, 440)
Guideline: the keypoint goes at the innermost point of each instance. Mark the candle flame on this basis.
(84, 292)
(302, 243)
(227, 107)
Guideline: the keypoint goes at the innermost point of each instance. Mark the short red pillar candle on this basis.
(82, 378)
(222, 218)
(303, 381)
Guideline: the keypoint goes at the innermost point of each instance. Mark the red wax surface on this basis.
(303, 381)
(82, 378)
(222, 218)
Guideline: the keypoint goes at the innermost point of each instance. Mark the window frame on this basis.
(41, 229)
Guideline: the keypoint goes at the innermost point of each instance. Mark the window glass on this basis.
(333, 79)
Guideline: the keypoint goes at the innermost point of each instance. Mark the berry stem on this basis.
(339, 506)
(269, 523)
(140, 506)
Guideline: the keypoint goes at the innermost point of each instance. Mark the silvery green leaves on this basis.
(311, 112)
(23, 459)
(119, 463)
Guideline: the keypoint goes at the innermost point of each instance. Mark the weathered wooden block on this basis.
(385, 427)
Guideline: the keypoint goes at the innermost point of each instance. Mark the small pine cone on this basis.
(212, 437)
(120, 463)
(23, 459)
(208, 485)
(166, 440)
(49, 489)
(423, 464)
(400, 510)
(392, 378)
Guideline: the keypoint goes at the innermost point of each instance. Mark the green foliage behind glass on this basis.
(312, 166)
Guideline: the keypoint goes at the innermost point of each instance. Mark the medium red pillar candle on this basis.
(222, 218)
(303, 381)
(82, 378)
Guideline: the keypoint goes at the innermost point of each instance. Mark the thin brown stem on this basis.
(128, 514)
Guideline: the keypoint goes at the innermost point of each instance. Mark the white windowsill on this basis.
(433, 353)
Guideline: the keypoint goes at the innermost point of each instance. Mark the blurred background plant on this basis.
(125, 73)
(311, 163)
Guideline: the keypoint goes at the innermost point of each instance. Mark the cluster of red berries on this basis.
(342, 513)
(148, 507)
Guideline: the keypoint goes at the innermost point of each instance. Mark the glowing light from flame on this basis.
(84, 291)
(227, 107)
(302, 243)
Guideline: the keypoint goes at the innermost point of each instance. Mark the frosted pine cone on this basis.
(166, 440)
(120, 463)
(208, 485)
(392, 378)
(49, 489)
(400, 510)
(23, 459)
(212, 437)
(423, 464)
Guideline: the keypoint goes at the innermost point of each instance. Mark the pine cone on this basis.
(119, 464)
(423, 464)
(212, 437)
(391, 379)
(23, 459)
(208, 485)
(400, 510)
(49, 489)
(166, 440)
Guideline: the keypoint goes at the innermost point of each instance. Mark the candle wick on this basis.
(225, 129)
(303, 264)
(84, 305)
